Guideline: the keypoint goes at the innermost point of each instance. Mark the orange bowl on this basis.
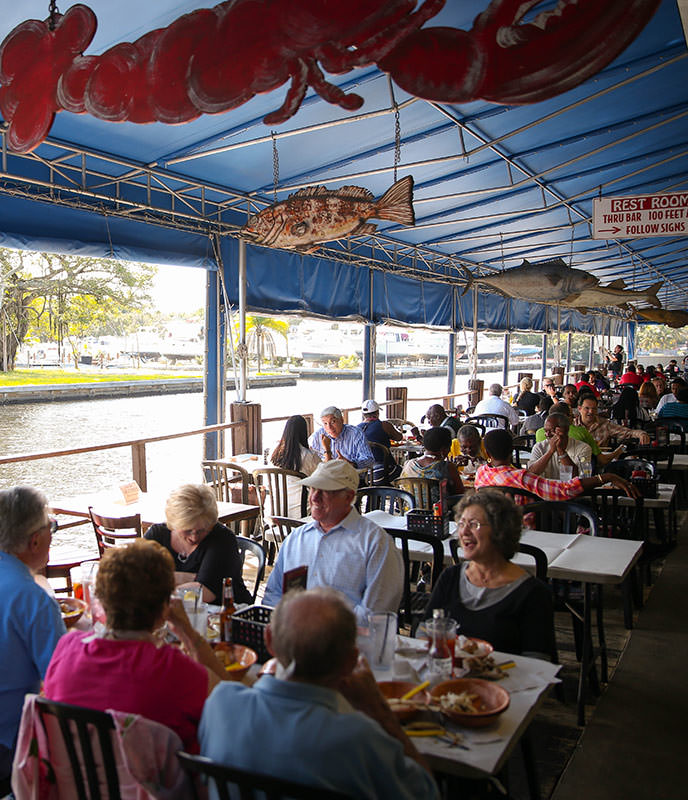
(71, 609)
(393, 690)
(479, 647)
(489, 702)
(237, 659)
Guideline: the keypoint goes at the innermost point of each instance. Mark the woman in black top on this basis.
(204, 551)
(489, 596)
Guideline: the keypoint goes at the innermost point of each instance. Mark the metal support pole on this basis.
(242, 347)
(369, 361)
(568, 353)
(591, 353)
(507, 348)
(213, 374)
(544, 355)
(451, 364)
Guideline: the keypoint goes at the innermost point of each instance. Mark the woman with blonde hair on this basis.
(525, 399)
(204, 551)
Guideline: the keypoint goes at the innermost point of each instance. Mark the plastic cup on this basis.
(565, 473)
(89, 570)
(199, 618)
(382, 640)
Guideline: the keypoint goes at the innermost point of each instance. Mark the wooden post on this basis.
(522, 375)
(310, 427)
(138, 465)
(475, 391)
(558, 375)
(398, 395)
(248, 439)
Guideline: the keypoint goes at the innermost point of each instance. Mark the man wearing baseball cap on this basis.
(380, 432)
(341, 548)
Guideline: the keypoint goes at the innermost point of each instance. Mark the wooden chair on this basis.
(249, 785)
(384, 498)
(421, 489)
(284, 526)
(274, 502)
(255, 548)
(413, 603)
(114, 531)
(63, 561)
(224, 476)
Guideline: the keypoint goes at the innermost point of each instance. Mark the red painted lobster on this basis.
(212, 60)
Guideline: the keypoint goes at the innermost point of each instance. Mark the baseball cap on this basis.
(332, 476)
(369, 407)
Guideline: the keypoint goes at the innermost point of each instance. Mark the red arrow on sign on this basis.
(609, 230)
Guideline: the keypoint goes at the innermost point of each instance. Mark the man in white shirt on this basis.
(676, 384)
(493, 404)
(341, 549)
(559, 450)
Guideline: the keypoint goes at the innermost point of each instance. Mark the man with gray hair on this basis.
(493, 404)
(340, 547)
(337, 439)
(30, 620)
(321, 719)
(560, 450)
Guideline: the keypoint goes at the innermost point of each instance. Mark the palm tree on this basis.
(259, 337)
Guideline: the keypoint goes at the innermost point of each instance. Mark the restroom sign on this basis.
(640, 216)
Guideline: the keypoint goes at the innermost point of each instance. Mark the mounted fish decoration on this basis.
(546, 282)
(664, 316)
(316, 215)
(615, 294)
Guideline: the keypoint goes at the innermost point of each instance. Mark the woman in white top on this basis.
(293, 453)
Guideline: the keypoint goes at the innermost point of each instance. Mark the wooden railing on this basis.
(138, 450)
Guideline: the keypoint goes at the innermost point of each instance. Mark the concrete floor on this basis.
(635, 745)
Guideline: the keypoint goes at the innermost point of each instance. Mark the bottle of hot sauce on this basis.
(228, 609)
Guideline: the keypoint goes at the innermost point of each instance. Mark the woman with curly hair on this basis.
(488, 595)
(126, 668)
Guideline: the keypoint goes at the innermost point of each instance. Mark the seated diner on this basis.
(433, 463)
(125, 667)
(488, 595)
(204, 551)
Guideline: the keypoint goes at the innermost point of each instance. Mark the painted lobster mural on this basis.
(215, 59)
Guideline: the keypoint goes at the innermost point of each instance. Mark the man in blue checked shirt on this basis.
(341, 549)
(339, 440)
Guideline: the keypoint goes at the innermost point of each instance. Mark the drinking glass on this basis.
(383, 639)
(565, 473)
(89, 570)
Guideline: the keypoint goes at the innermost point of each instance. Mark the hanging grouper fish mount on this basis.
(215, 59)
(315, 215)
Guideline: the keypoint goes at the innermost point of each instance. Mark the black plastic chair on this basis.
(412, 608)
(384, 498)
(490, 421)
(514, 492)
(251, 546)
(517, 453)
(250, 785)
(87, 764)
(524, 440)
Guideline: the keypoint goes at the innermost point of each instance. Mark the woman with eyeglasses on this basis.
(489, 596)
(204, 551)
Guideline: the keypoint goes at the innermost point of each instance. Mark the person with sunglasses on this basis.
(487, 594)
(30, 619)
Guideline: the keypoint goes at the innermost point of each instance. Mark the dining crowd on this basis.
(321, 698)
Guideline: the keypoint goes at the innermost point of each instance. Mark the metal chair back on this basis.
(256, 549)
(384, 498)
(250, 785)
(114, 531)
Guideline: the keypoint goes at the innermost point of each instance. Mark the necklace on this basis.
(480, 576)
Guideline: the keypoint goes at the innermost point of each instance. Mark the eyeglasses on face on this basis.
(473, 525)
(53, 525)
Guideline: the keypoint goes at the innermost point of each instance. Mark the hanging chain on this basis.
(275, 166)
(54, 13)
(397, 130)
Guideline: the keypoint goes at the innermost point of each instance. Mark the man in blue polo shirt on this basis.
(30, 620)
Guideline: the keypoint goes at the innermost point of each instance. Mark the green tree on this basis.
(259, 337)
(60, 298)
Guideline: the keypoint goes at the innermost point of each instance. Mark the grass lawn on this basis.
(39, 377)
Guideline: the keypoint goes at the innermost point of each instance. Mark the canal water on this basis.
(42, 427)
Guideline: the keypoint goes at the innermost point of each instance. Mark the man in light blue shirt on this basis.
(302, 724)
(341, 548)
(338, 440)
(30, 620)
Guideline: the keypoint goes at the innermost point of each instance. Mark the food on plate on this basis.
(465, 702)
(71, 609)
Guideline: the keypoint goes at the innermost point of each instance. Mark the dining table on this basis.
(150, 505)
(590, 560)
(484, 751)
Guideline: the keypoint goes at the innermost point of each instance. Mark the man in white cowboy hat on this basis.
(341, 549)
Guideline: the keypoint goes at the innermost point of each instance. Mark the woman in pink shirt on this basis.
(126, 668)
